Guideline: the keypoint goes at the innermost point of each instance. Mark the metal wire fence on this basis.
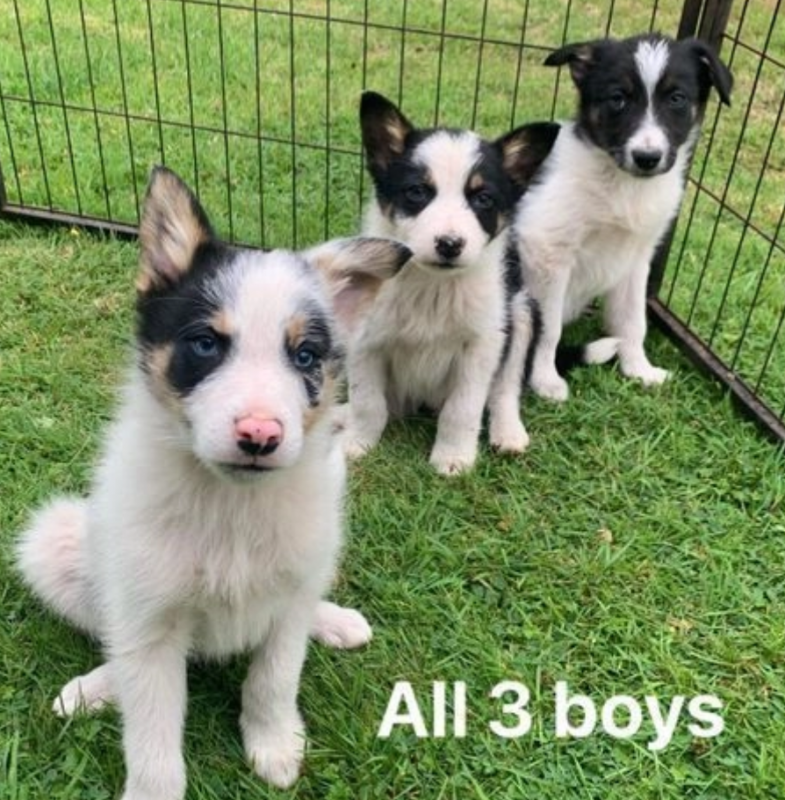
(254, 103)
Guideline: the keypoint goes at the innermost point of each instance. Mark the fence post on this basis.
(3, 195)
(707, 20)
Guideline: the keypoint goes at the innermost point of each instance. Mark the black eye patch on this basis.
(198, 352)
(309, 346)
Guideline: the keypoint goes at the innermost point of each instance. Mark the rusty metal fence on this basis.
(254, 102)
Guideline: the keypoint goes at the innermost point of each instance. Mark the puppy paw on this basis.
(276, 753)
(452, 460)
(509, 438)
(551, 387)
(340, 628)
(355, 448)
(84, 694)
(645, 372)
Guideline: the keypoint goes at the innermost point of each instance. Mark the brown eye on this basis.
(482, 200)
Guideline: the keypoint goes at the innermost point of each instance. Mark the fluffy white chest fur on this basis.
(424, 325)
(594, 219)
(227, 556)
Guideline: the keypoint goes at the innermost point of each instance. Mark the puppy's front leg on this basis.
(549, 287)
(150, 683)
(460, 418)
(507, 432)
(625, 317)
(273, 730)
(367, 402)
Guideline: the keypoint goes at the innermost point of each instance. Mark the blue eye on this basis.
(304, 357)
(205, 345)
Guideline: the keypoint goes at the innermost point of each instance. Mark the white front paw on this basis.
(341, 628)
(356, 444)
(448, 460)
(549, 385)
(645, 372)
(508, 437)
(276, 753)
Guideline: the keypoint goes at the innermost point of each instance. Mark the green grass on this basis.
(635, 549)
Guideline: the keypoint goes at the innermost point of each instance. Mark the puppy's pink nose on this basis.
(258, 436)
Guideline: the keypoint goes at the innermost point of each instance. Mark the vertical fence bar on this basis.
(225, 120)
(126, 116)
(31, 95)
(293, 122)
(189, 84)
(11, 155)
(259, 125)
(694, 16)
(327, 117)
(66, 123)
(478, 74)
(97, 125)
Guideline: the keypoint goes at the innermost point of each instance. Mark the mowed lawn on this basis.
(637, 548)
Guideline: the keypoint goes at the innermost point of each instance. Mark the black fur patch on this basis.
(313, 338)
(179, 314)
(614, 99)
(406, 187)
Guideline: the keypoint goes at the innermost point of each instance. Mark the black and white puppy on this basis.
(609, 191)
(214, 521)
(451, 331)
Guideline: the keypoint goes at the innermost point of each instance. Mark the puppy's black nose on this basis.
(449, 247)
(646, 160)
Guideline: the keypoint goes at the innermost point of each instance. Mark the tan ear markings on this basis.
(170, 232)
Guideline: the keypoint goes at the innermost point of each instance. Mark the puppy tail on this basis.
(599, 351)
(52, 559)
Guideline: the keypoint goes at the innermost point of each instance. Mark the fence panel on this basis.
(254, 102)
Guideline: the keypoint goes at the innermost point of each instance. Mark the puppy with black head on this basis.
(609, 191)
(214, 521)
(452, 331)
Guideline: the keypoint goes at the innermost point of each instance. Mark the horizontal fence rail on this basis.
(254, 103)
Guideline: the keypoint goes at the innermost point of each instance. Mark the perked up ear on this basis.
(524, 149)
(579, 57)
(172, 227)
(714, 72)
(384, 129)
(355, 270)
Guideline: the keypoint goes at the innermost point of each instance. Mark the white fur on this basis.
(589, 229)
(436, 340)
(169, 558)
(651, 59)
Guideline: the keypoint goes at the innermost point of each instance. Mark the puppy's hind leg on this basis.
(85, 693)
(340, 628)
(507, 432)
(625, 318)
(52, 557)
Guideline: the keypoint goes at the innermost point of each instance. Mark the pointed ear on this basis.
(579, 57)
(384, 129)
(524, 149)
(172, 227)
(713, 71)
(355, 270)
